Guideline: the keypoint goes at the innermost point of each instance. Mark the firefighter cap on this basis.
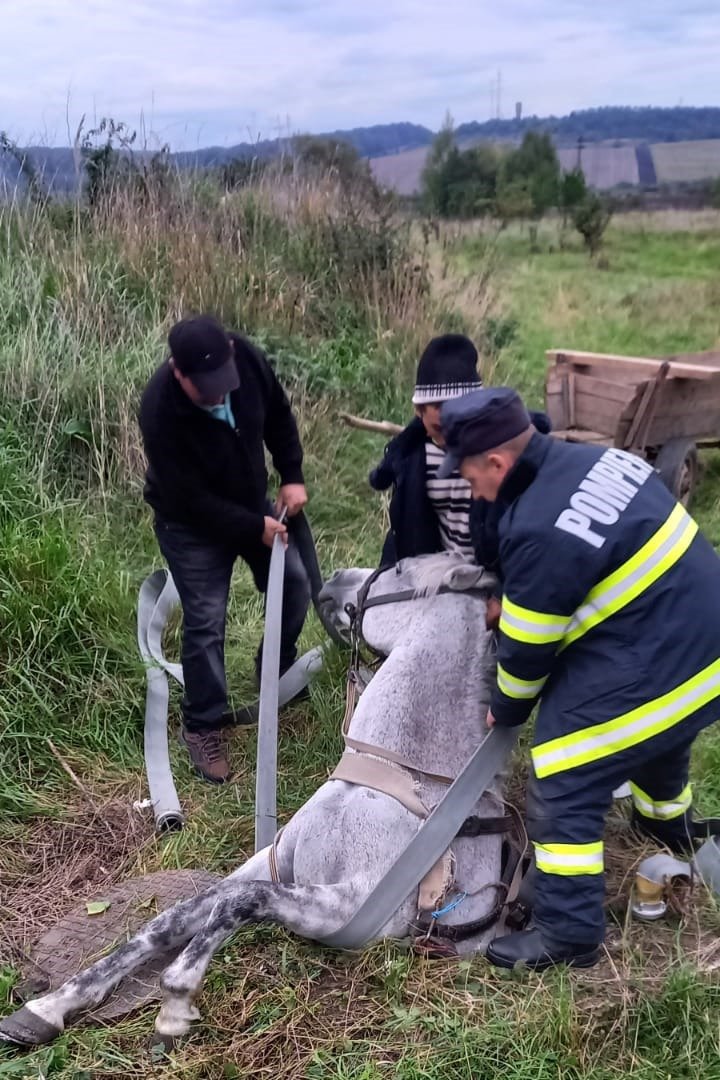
(478, 422)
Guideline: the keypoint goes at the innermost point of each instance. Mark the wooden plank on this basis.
(565, 396)
(597, 403)
(576, 435)
(684, 427)
(644, 366)
(554, 399)
(596, 413)
(636, 437)
(603, 388)
(571, 394)
(682, 398)
(628, 415)
(709, 359)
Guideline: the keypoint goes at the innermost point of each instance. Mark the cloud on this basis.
(216, 71)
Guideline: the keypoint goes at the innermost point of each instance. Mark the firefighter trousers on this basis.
(566, 817)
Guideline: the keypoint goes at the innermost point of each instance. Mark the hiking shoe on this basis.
(528, 948)
(208, 753)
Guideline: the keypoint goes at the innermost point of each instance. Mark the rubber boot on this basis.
(531, 949)
(677, 834)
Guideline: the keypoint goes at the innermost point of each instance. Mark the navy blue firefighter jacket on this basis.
(611, 608)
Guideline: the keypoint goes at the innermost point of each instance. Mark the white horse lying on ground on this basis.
(427, 704)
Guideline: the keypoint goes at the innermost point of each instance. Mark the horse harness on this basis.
(392, 774)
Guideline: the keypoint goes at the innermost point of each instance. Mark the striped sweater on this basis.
(451, 501)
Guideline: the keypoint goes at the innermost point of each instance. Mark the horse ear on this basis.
(467, 576)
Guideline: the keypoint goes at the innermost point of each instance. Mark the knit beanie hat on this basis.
(447, 369)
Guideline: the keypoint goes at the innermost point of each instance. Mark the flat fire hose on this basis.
(158, 597)
(266, 768)
(429, 844)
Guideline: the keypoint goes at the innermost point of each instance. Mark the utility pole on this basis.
(580, 148)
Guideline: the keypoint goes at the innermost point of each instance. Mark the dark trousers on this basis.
(566, 817)
(202, 571)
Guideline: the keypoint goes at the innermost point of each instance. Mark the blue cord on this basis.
(449, 907)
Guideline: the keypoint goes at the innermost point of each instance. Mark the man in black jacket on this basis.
(429, 513)
(204, 417)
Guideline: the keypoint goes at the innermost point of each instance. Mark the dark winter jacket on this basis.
(611, 608)
(414, 528)
(204, 474)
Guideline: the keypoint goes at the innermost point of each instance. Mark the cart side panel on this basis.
(585, 402)
(686, 409)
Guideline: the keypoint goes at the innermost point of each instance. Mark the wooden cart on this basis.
(662, 408)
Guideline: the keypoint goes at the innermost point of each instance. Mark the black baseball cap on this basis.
(478, 422)
(201, 350)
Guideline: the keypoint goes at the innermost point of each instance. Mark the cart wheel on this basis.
(678, 466)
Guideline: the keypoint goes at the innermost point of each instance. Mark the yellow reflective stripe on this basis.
(655, 558)
(661, 809)
(521, 689)
(601, 740)
(569, 859)
(531, 627)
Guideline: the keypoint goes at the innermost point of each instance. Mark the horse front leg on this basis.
(312, 911)
(44, 1018)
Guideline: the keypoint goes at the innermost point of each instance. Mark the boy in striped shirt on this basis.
(428, 514)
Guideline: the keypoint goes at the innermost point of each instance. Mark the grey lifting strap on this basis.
(429, 844)
(266, 768)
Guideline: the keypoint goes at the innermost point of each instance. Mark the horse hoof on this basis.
(163, 1045)
(25, 1028)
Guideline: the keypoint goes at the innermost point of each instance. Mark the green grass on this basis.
(654, 293)
(86, 307)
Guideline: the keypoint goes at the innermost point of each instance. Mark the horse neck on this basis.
(429, 699)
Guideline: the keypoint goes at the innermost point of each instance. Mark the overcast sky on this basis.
(203, 72)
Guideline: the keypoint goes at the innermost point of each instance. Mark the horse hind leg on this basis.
(312, 911)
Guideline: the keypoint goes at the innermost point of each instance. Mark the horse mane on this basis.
(431, 573)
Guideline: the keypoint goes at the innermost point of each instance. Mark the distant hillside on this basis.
(621, 146)
(606, 165)
(643, 124)
(57, 164)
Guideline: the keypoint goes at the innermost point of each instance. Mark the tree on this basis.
(591, 218)
(459, 183)
(513, 201)
(25, 166)
(469, 182)
(432, 182)
(573, 190)
(327, 158)
(107, 161)
(535, 164)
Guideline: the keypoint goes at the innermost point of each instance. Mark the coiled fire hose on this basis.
(157, 599)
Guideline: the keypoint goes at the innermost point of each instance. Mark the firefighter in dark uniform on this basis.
(611, 620)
